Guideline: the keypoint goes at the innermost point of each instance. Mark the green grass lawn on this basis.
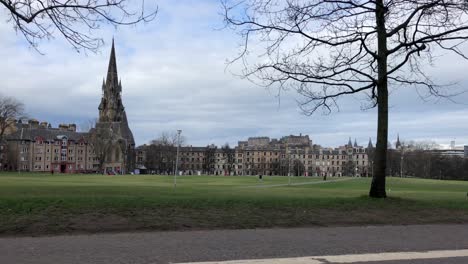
(47, 204)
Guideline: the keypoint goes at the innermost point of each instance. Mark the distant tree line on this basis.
(426, 164)
(421, 159)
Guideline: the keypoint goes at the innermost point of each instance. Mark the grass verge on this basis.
(37, 204)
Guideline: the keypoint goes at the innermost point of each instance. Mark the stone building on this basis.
(112, 138)
(34, 146)
(290, 155)
(37, 147)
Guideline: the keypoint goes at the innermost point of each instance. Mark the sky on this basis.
(175, 76)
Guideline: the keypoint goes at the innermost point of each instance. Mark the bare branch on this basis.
(37, 19)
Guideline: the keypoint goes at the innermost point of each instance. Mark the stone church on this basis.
(116, 141)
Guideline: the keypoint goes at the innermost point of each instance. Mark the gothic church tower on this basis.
(113, 122)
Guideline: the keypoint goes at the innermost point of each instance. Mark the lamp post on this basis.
(289, 167)
(177, 158)
(401, 162)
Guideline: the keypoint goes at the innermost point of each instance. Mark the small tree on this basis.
(102, 140)
(10, 110)
(161, 152)
(349, 168)
(229, 155)
(330, 49)
(298, 168)
(209, 159)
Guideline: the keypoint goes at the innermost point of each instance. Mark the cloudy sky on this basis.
(174, 76)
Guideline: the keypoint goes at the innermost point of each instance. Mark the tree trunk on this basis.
(380, 159)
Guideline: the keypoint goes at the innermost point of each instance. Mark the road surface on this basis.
(426, 244)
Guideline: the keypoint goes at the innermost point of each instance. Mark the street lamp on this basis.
(289, 168)
(401, 162)
(177, 158)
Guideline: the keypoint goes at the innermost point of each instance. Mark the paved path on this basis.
(224, 245)
(354, 258)
(296, 183)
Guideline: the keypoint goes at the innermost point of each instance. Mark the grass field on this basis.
(35, 204)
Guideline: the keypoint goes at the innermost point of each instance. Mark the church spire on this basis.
(350, 144)
(398, 143)
(111, 108)
(370, 145)
(112, 77)
(355, 143)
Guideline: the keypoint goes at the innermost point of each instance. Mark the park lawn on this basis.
(37, 204)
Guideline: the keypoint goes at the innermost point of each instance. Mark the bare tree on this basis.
(298, 168)
(329, 49)
(102, 141)
(161, 152)
(209, 159)
(229, 156)
(10, 110)
(87, 125)
(74, 20)
(168, 139)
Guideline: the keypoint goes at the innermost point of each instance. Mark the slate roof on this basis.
(48, 134)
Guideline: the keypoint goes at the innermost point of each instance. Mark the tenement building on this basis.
(34, 146)
(289, 155)
(109, 147)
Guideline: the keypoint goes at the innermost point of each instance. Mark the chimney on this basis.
(63, 127)
(33, 123)
(72, 127)
(43, 125)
